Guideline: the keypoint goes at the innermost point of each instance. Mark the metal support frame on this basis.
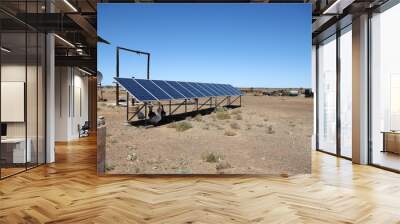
(209, 100)
(196, 105)
(179, 105)
(118, 49)
(220, 102)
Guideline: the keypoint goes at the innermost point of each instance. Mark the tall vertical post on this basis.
(127, 105)
(360, 101)
(185, 106)
(117, 74)
(338, 76)
(148, 66)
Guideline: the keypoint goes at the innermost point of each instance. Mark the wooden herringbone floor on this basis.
(70, 192)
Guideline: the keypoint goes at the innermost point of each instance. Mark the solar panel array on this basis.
(157, 90)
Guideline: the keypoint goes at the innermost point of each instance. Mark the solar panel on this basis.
(235, 90)
(135, 89)
(205, 86)
(223, 89)
(168, 89)
(154, 89)
(227, 89)
(181, 89)
(192, 89)
(201, 89)
(218, 90)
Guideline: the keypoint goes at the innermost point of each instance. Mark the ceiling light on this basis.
(64, 40)
(70, 5)
(338, 6)
(5, 50)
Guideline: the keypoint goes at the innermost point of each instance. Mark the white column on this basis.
(50, 101)
(360, 90)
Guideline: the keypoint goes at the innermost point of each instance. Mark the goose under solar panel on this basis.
(180, 89)
(167, 88)
(154, 89)
(135, 89)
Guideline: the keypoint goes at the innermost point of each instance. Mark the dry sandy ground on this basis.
(272, 135)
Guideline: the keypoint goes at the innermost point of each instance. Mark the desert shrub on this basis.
(131, 156)
(171, 125)
(270, 130)
(183, 170)
(236, 112)
(235, 126)
(211, 157)
(183, 126)
(223, 165)
(109, 167)
(220, 109)
(230, 133)
(198, 117)
(260, 125)
(238, 117)
(114, 141)
(265, 119)
(222, 115)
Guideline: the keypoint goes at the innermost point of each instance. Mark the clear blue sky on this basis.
(246, 45)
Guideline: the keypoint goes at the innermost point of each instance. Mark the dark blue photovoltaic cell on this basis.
(235, 90)
(180, 89)
(227, 89)
(205, 86)
(193, 90)
(167, 88)
(210, 86)
(224, 90)
(135, 89)
(201, 89)
(219, 91)
(154, 89)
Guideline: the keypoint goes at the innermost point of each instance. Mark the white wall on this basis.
(71, 102)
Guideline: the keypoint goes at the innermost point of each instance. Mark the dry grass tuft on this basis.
(235, 126)
(223, 115)
(212, 157)
(270, 130)
(183, 126)
(180, 126)
(238, 117)
(109, 167)
(236, 111)
(198, 117)
(230, 133)
(223, 165)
